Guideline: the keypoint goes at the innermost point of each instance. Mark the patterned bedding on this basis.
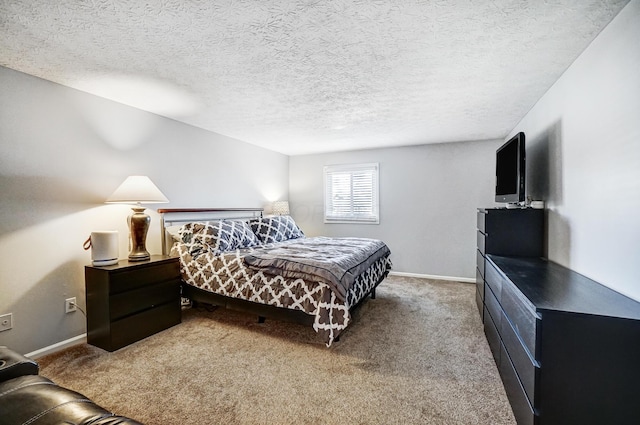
(226, 273)
(335, 261)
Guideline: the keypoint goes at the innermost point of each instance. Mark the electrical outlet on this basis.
(6, 322)
(70, 305)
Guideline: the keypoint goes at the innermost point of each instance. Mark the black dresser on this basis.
(567, 348)
(509, 232)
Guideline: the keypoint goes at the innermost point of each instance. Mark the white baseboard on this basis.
(59, 346)
(431, 276)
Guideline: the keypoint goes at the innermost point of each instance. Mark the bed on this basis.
(242, 260)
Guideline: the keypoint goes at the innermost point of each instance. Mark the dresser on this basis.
(508, 232)
(567, 348)
(130, 301)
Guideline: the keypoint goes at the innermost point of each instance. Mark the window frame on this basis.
(352, 169)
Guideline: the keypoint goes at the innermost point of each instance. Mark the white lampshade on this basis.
(137, 189)
(281, 208)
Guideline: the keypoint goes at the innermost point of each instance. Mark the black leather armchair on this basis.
(28, 398)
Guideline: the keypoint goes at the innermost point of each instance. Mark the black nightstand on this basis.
(130, 301)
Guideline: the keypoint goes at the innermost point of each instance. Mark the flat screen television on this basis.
(510, 171)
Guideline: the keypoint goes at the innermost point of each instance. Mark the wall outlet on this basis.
(6, 322)
(70, 305)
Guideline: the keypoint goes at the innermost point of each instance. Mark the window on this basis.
(351, 193)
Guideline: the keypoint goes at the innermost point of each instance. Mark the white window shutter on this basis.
(351, 193)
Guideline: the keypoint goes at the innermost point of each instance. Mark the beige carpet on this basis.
(414, 355)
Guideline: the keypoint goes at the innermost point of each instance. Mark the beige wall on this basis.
(583, 149)
(62, 152)
(429, 195)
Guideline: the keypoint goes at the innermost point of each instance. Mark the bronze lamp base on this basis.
(138, 226)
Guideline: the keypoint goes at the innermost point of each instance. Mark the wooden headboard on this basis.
(178, 216)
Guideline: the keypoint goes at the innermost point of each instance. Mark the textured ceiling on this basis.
(306, 76)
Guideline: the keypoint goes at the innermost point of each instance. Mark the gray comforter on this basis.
(335, 261)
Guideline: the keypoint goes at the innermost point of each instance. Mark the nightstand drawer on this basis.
(139, 326)
(126, 280)
(131, 302)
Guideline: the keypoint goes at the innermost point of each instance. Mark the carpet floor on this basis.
(414, 355)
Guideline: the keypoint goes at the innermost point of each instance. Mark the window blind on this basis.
(351, 193)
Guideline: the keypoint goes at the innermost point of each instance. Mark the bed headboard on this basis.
(178, 216)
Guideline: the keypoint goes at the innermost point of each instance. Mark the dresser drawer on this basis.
(526, 368)
(144, 298)
(126, 280)
(480, 262)
(523, 361)
(522, 410)
(494, 279)
(493, 338)
(518, 398)
(480, 284)
(493, 306)
(481, 218)
(521, 314)
(480, 305)
(515, 233)
(480, 241)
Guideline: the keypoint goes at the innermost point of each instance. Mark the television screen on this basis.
(510, 170)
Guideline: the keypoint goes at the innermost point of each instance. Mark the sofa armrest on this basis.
(34, 399)
(13, 365)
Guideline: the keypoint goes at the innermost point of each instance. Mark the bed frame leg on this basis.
(373, 294)
(261, 319)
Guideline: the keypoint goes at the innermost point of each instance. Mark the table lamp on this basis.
(138, 190)
(281, 208)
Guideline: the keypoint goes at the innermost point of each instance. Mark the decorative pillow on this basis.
(206, 236)
(239, 233)
(276, 228)
(217, 237)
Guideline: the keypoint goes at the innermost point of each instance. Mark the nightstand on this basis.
(130, 301)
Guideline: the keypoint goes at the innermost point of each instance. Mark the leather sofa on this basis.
(28, 398)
